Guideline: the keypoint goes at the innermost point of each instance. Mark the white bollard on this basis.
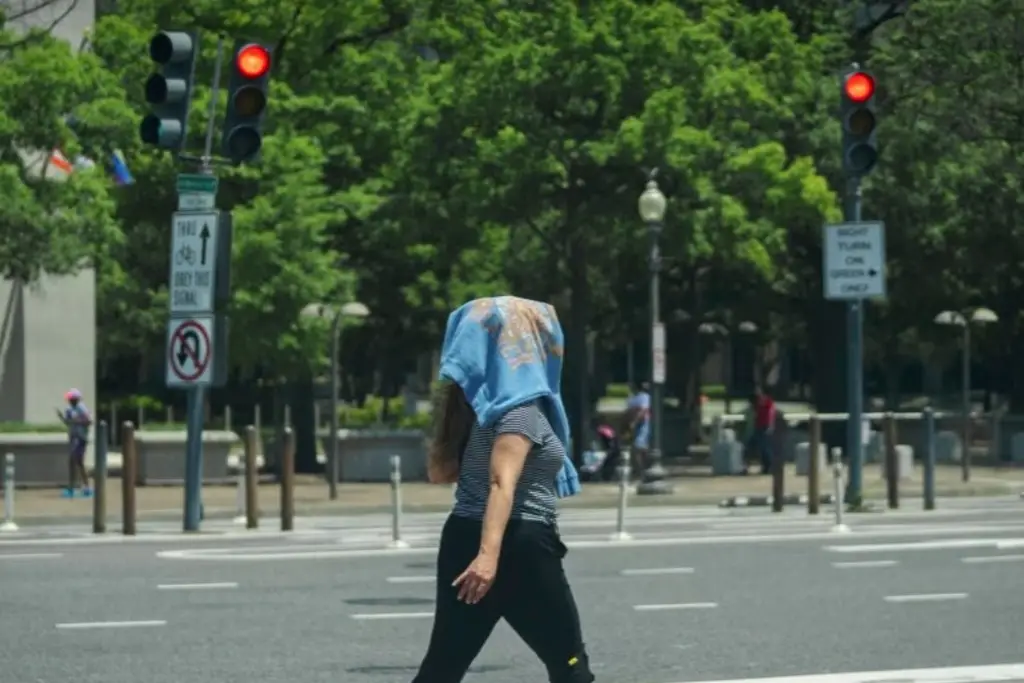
(396, 504)
(620, 521)
(8, 524)
(240, 494)
(837, 480)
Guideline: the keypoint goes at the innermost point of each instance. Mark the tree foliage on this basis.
(52, 220)
(420, 154)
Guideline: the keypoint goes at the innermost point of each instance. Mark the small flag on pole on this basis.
(122, 176)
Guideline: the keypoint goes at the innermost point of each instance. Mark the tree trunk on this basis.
(576, 381)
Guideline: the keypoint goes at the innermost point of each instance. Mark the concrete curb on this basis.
(766, 501)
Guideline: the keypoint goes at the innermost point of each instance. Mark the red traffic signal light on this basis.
(253, 61)
(859, 87)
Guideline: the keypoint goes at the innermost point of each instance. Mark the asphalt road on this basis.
(714, 596)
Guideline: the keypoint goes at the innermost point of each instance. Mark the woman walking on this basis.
(502, 435)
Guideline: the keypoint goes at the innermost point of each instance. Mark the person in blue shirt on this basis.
(638, 413)
(77, 419)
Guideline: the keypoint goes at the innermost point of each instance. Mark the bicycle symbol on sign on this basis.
(186, 255)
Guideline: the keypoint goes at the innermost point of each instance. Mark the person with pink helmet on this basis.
(77, 419)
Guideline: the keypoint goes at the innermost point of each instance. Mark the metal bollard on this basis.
(99, 481)
(288, 481)
(396, 504)
(892, 474)
(929, 459)
(128, 476)
(252, 510)
(240, 492)
(624, 471)
(778, 464)
(837, 480)
(8, 523)
(813, 475)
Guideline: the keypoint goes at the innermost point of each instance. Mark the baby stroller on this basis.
(604, 456)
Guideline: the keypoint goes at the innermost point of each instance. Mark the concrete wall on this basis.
(48, 329)
(47, 345)
(67, 19)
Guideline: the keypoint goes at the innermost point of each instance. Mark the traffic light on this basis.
(860, 144)
(247, 102)
(170, 91)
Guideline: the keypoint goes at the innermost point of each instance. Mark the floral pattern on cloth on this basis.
(525, 331)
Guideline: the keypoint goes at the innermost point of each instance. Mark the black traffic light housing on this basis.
(860, 122)
(170, 91)
(247, 101)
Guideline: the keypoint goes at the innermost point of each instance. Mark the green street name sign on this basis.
(193, 183)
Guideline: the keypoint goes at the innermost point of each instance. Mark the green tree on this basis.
(282, 262)
(53, 222)
(562, 108)
(948, 183)
(283, 255)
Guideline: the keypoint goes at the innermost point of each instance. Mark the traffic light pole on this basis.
(196, 397)
(854, 363)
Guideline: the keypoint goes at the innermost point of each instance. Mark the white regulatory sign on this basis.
(193, 262)
(190, 351)
(854, 255)
(658, 350)
(192, 201)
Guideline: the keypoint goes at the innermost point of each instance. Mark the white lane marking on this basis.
(676, 605)
(152, 537)
(944, 544)
(865, 565)
(411, 579)
(926, 597)
(986, 559)
(963, 674)
(195, 586)
(31, 556)
(110, 624)
(319, 552)
(656, 571)
(373, 616)
(1010, 544)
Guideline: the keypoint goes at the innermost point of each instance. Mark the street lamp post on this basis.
(353, 309)
(652, 205)
(979, 316)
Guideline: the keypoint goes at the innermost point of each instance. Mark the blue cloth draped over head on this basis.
(503, 352)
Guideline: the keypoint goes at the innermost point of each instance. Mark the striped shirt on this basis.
(534, 498)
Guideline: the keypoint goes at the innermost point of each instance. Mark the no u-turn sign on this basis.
(190, 344)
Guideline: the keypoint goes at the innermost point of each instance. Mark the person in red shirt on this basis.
(764, 428)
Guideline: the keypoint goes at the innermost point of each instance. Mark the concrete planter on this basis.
(727, 458)
(365, 454)
(41, 459)
(803, 459)
(162, 456)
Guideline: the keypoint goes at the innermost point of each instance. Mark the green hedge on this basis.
(161, 426)
(354, 417)
(134, 402)
(617, 391)
(713, 391)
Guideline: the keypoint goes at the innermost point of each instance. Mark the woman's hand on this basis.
(478, 578)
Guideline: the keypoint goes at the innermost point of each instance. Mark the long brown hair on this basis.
(453, 418)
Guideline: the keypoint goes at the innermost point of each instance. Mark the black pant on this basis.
(530, 592)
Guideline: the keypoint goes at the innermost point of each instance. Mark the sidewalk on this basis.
(691, 488)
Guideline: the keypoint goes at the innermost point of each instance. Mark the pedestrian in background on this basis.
(761, 438)
(77, 419)
(503, 435)
(638, 416)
